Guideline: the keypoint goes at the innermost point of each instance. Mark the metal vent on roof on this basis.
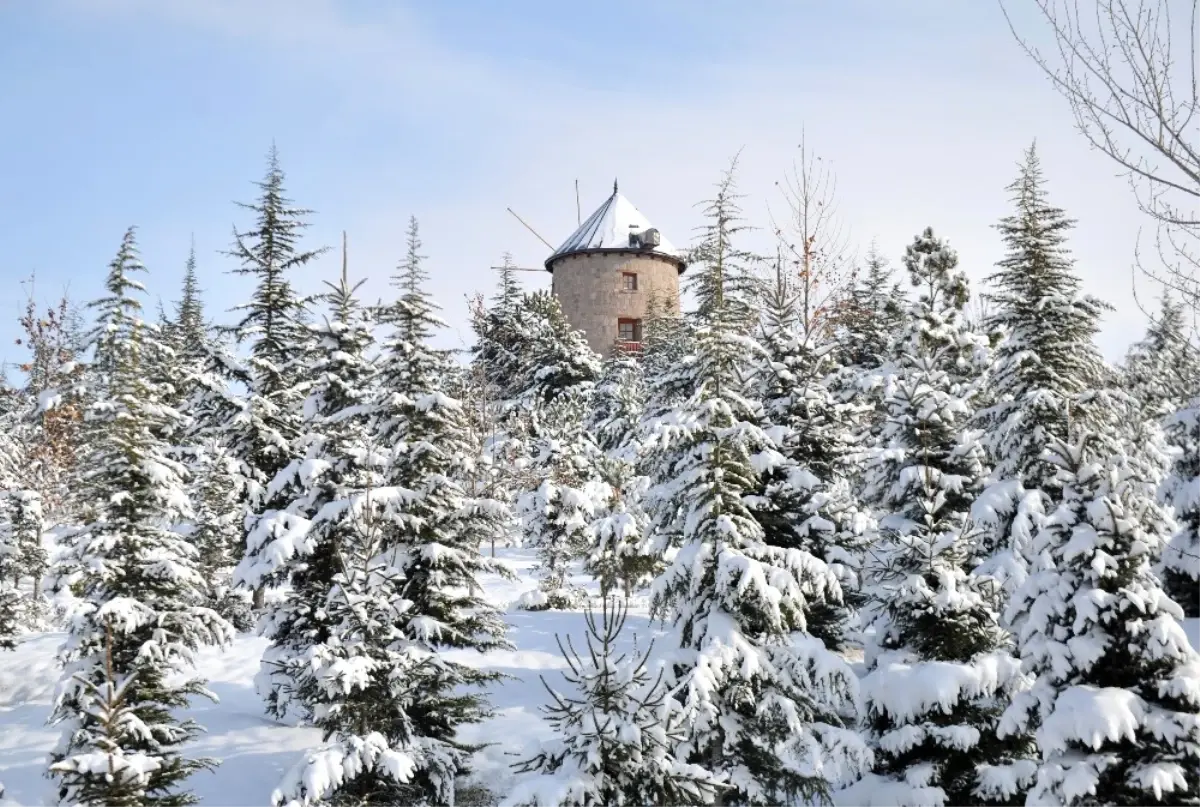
(646, 239)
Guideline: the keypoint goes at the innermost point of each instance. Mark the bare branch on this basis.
(1130, 74)
(813, 238)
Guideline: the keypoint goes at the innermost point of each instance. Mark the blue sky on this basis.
(159, 113)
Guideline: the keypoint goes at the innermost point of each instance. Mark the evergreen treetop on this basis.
(1047, 358)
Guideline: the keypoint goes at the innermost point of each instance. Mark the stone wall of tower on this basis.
(590, 288)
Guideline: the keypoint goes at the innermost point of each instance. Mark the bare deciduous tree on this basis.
(813, 238)
(1128, 69)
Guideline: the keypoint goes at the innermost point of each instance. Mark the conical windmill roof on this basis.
(608, 230)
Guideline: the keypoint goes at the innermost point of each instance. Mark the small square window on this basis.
(629, 330)
(629, 281)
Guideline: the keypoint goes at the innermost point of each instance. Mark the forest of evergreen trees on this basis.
(817, 459)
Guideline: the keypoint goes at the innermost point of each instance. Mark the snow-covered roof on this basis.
(609, 228)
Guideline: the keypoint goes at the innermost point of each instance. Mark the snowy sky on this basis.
(159, 113)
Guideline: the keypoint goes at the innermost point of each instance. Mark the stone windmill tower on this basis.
(609, 270)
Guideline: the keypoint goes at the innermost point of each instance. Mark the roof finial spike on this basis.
(614, 187)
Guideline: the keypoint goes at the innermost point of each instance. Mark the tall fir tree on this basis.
(805, 500)
(191, 336)
(553, 396)
(932, 620)
(272, 324)
(136, 625)
(386, 695)
(1117, 686)
(1181, 491)
(1162, 370)
(1044, 373)
(334, 458)
(762, 699)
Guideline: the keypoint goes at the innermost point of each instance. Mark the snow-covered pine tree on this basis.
(805, 501)
(217, 529)
(336, 456)
(619, 551)
(615, 738)
(136, 623)
(273, 325)
(1043, 372)
(1181, 491)
(498, 341)
(932, 621)
(865, 319)
(1162, 371)
(1159, 377)
(1117, 686)
(762, 700)
(27, 528)
(190, 328)
(387, 698)
(12, 604)
(557, 377)
(617, 405)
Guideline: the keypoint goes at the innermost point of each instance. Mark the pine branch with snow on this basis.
(1181, 491)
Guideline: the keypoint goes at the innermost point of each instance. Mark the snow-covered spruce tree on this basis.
(1161, 375)
(12, 604)
(805, 501)
(556, 514)
(1162, 371)
(619, 552)
(498, 342)
(1044, 370)
(615, 736)
(672, 348)
(189, 327)
(761, 699)
(388, 699)
(666, 351)
(557, 379)
(617, 405)
(867, 316)
(335, 457)
(1117, 686)
(1181, 490)
(273, 325)
(136, 622)
(863, 324)
(932, 621)
(496, 358)
(217, 531)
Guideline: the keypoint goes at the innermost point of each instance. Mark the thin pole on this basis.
(343, 257)
(578, 211)
(527, 227)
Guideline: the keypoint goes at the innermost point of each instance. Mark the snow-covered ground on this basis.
(254, 750)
